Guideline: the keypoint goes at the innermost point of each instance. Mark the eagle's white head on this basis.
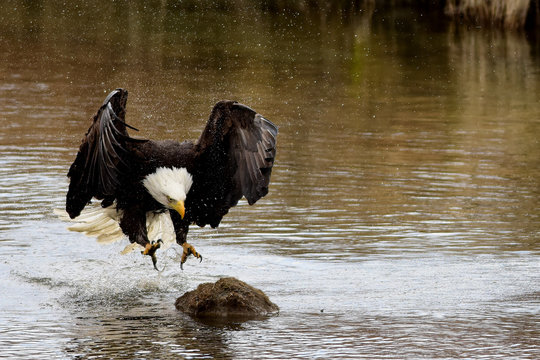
(169, 187)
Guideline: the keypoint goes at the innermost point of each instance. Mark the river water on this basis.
(402, 219)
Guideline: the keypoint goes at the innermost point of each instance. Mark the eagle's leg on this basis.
(181, 227)
(133, 224)
(150, 249)
(188, 250)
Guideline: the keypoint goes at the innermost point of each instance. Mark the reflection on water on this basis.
(402, 217)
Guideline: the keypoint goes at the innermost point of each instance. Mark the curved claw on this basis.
(182, 263)
(150, 250)
(188, 250)
(154, 262)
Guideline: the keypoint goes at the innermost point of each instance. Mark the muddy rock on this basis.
(226, 298)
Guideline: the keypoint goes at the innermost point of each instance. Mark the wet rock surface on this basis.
(226, 298)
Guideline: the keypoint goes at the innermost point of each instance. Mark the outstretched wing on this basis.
(102, 156)
(237, 148)
(252, 153)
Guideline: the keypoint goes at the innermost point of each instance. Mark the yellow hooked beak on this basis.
(179, 207)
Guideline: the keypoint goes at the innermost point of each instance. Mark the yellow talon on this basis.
(150, 250)
(188, 250)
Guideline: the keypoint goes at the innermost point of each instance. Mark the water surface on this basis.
(402, 219)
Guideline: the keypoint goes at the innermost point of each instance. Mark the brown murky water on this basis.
(402, 220)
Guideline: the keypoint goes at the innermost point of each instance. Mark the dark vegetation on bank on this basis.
(497, 14)
(505, 14)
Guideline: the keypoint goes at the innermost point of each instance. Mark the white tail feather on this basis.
(110, 238)
(108, 228)
(129, 248)
(103, 223)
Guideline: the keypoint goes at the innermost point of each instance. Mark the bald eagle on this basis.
(140, 181)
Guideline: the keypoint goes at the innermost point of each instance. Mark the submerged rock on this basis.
(226, 298)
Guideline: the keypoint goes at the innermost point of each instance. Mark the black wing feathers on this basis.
(248, 142)
(102, 157)
(253, 148)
